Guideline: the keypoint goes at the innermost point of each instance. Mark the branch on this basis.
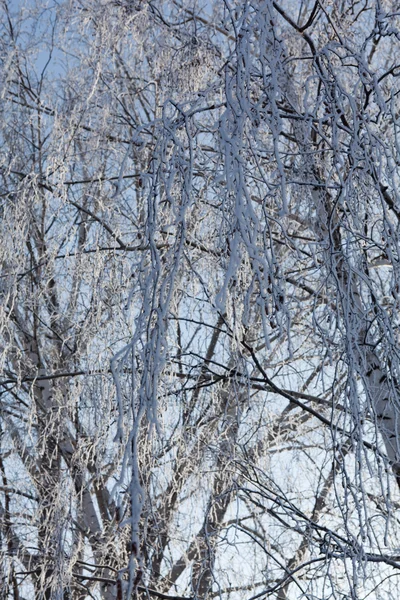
(140, 588)
(297, 402)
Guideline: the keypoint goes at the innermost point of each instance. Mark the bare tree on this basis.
(200, 284)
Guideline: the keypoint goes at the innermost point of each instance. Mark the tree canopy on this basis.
(200, 294)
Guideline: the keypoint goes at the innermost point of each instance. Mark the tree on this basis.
(200, 298)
